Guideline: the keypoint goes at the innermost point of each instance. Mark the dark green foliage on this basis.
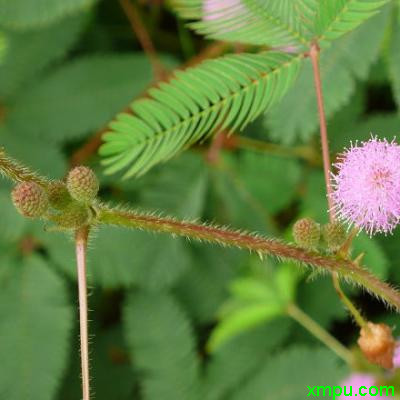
(35, 325)
(286, 376)
(162, 344)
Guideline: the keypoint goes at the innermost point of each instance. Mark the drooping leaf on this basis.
(224, 93)
(162, 347)
(277, 23)
(346, 60)
(22, 14)
(35, 323)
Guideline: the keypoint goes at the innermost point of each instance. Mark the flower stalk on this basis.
(81, 238)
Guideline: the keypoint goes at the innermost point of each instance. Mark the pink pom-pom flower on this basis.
(367, 186)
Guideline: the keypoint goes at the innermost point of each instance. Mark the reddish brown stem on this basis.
(144, 38)
(314, 55)
(81, 237)
(346, 268)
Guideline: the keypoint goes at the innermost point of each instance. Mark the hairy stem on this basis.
(320, 333)
(17, 172)
(81, 237)
(345, 268)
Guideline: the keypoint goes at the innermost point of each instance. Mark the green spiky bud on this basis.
(334, 235)
(73, 217)
(82, 184)
(307, 233)
(59, 196)
(30, 199)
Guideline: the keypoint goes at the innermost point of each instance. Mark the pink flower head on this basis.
(222, 12)
(352, 385)
(367, 186)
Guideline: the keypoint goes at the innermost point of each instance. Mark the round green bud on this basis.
(59, 196)
(82, 184)
(334, 235)
(30, 199)
(307, 233)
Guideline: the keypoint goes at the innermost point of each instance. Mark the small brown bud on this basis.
(334, 235)
(82, 184)
(307, 233)
(30, 199)
(377, 344)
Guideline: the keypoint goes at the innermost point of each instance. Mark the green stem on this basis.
(320, 333)
(252, 242)
(353, 310)
(18, 173)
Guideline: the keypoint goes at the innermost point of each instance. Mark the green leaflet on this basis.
(224, 93)
(24, 14)
(346, 60)
(336, 17)
(162, 347)
(286, 375)
(255, 300)
(260, 22)
(35, 322)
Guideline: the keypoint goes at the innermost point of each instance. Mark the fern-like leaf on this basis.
(219, 94)
(259, 22)
(340, 16)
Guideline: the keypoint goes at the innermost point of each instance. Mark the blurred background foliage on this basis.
(66, 69)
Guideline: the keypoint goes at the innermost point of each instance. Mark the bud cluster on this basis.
(307, 234)
(66, 204)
